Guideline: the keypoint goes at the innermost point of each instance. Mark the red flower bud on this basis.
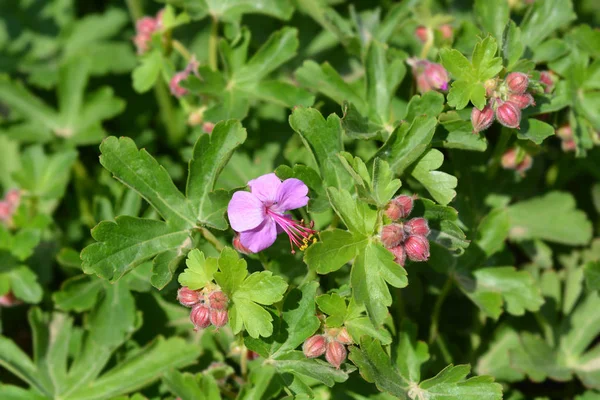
(219, 317)
(547, 79)
(510, 161)
(335, 353)
(188, 297)
(417, 248)
(200, 316)
(565, 132)
(399, 255)
(218, 300)
(446, 31)
(5, 210)
(429, 76)
(237, 244)
(392, 235)
(521, 100)
(208, 127)
(417, 226)
(400, 207)
(482, 120)
(174, 85)
(509, 115)
(344, 337)
(568, 145)
(314, 346)
(422, 33)
(145, 25)
(517, 82)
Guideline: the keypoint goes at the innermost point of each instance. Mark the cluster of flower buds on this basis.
(429, 75)
(565, 133)
(506, 100)
(144, 29)
(408, 238)
(209, 306)
(424, 34)
(175, 83)
(517, 160)
(332, 343)
(9, 205)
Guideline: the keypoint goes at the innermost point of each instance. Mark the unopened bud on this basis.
(508, 115)
(482, 120)
(446, 31)
(335, 353)
(490, 86)
(422, 33)
(13, 197)
(314, 346)
(196, 117)
(547, 79)
(145, 25)
(188, 297)
(200, 316)
(568, 145)
(399, 255)
(392, 235)
(565, 132)
(344, 337)
(521, 100)
(218, 300)
(510, 160)
(400, 207)
(237, 244)
(437, 76)
(417, 226)
(9, 300)
(174, 85)
(517, 82)
(208, 127)
(219, 317)
(5, 210)
(417, 248)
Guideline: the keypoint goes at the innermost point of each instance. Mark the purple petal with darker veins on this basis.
(291, 195)
(265, 188)
(261, 237)
(245, 211)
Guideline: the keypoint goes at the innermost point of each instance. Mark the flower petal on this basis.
(291, 195)
(265, 188)
(245, 211)
(260, 237)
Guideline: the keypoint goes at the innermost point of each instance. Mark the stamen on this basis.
(300, 235)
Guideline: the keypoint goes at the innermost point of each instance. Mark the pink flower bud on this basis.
(392, 235)
(218, 300)
(482, 120)
(521, 100)
(446, 31)
(344, 337)
(509, 160)
(5, 210)
(208, 127)
(237, 244)
(548, 79)
(517, 82)
(145, 25)
(437, 76)
(417, 226)
(568, 145)
(219, 317)
(422, 33)
(174, 85)
(196, 117)
(9, 300)
(13, 197)
(417, 248)
(399, 255)
(314, 346)
(188, 297)
(400, 207)
(335, 354)
(159, 18)
(508, 115)
(490, 85)
(565, 132)
(200, 316)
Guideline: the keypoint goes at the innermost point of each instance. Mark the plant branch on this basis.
(210, 238)
(437, 308)
(212, 44)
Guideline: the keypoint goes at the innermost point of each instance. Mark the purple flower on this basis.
(259, 216)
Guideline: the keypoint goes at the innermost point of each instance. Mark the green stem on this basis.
(437, 308)
(135, 9)
(263, 260)
(210, 238)
(180, 48)
(427, 45)
(213, 41)
(244, 361)
(498, 152)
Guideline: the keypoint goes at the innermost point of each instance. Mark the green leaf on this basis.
(462, 91)
(24, 284)
(592, 275)
(493, 16)
(457, 64)
(358, 217)
(529, 220)
(407, 143)
(19, 364)
(512, 45)
(410, 354)
(496, 360)
(334, 306)
(324, 139)
(334, 249)
(372, 269)
(199, 271)
(535, 130)
(127, 242)
(439, 184)
(146, 74)
(484, 62)
(429, 103)
(78, 293)
(232, 10)
(211, 154)
(140, 171)
(458, 134)
(496, 286)
(187, 386)
(544, 18)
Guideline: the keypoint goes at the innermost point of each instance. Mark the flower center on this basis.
(300, 235)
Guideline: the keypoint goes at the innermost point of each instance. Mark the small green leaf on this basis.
(512, 45)
(334, 249)
(462, 91)
(592, 275)
(457, 64)
(493, 16)
(544, 18)
(199, 271)
(358, 217)
(429, 103)
(535, 130)
(145, 75)
(440, 184)
(79, 293)
(334, 306)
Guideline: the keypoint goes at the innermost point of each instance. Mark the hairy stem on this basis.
(210, 238)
